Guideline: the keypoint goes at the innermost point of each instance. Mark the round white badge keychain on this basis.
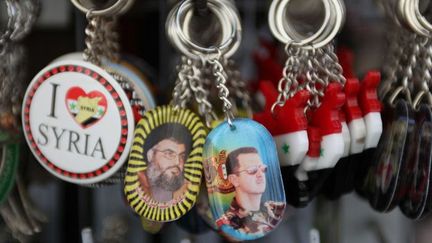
(78, 119)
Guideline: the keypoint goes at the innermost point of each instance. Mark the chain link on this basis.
(21, 17)
(205, 108)
(405, 70)
(316, 85)
(111, 49)
(393, 61)
(237, 86)
(182, 93)
(333, 64)
(221, 80)
(94, 39)
(288, 84)
(411, 64)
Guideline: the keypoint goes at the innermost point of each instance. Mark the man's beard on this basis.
(164, 179)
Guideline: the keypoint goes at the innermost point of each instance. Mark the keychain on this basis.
(20, 217)
(310, 67)
(97, 99)
(390, 159)
(21, 17)
(389, 171)
(163, 189)
(229, 137)
(365, 127)
(390, 180)
(416, 186)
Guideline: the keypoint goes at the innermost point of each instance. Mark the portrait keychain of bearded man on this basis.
(165, 164)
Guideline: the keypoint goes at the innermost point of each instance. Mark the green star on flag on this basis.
(100, 111)
(72, 106)
(321, 152)
(286, 148)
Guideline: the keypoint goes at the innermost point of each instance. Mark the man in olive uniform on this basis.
(247, 214)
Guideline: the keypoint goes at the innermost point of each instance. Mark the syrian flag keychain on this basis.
(371, 109)
(361, 97)
(285, 118)
(327, 128)
(342, 178)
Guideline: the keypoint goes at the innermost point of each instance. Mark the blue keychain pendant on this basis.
(244, 181)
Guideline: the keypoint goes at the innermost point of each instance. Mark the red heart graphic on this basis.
(86, 108)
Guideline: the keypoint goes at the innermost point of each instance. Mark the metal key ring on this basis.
(127, 6)
(336, 12)
(339, 21)
(406, 12)
(231, 30)
(276, 15)
(229, 19)
(422, 95)
(27, 12)
(398, 91)
(423, 21)
(327, 26)
(10, 26)
(112, 10)
(235, 41)
(174, 38)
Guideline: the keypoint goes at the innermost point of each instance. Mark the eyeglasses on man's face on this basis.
(172, 155)
(252, 170)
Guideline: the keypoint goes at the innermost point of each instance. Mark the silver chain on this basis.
(237, 85)
(111, 48)
(288, 84)
(205, 108)
(335, 66)
(189, 85)
(408, 71)
(182, 93)
(21, 17)
(427, 63)
(223, 94)
(396, 42)
(405, 70)
(94, 39)
(316, 85)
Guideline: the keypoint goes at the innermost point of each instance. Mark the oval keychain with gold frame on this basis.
(165, 164)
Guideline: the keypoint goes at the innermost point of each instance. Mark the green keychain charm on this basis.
(8, 169)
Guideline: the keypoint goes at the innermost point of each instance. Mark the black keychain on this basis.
(418, 173)
(383, 176)
(416, 186)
